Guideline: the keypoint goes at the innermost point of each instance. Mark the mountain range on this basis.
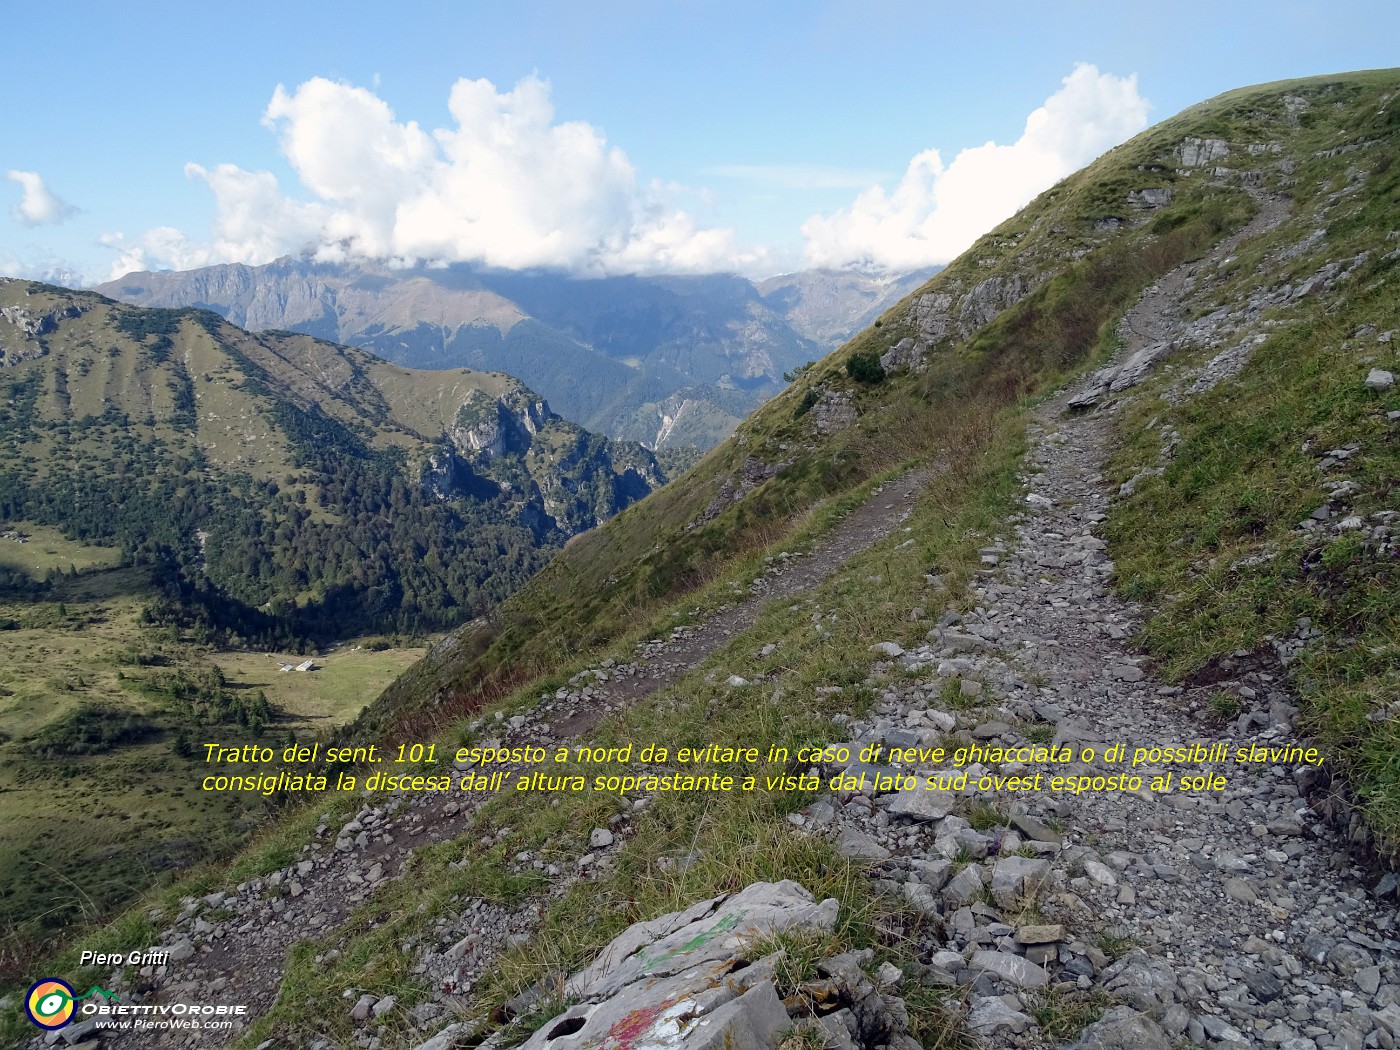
(665, 361)
(290, 483)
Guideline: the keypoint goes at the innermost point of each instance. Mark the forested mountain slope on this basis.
(288, 486)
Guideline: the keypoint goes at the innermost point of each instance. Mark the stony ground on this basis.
(1236, 914)
(1224, 916)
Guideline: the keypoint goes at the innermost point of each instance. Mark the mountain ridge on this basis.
(663, 360)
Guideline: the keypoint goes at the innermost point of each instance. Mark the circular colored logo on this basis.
(50, 1003)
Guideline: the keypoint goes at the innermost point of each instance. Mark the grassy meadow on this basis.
(97, 740)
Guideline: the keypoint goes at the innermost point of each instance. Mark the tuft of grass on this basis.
(1224, 705)
(935, 1017)
(984, 816)
(952, 698)
(1038, 732)
(800, 950)
(1114, 946)
(1062, 1014)
(803, 1037)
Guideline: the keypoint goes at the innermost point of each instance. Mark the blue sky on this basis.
(611, 137)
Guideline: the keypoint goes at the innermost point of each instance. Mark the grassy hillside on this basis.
(101, 711)
(1212, 544)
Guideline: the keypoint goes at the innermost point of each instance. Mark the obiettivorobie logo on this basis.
(51, 1003)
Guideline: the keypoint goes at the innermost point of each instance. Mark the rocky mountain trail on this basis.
(1230, 914)
(1156, 327)
(1247, 921)
(1067, 846)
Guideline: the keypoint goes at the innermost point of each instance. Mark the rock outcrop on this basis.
(563, 479)
(695, 980)
(25, 339)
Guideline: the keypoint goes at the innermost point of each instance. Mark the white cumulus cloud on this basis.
(255, 222)
(40, 205)
(937, 211)
(504, 185)
(50, 269)
(163, 247)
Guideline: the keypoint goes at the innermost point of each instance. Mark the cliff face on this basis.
(488, 428)
(563, 479)
(24, 339)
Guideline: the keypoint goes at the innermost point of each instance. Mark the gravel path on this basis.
(1229, 915)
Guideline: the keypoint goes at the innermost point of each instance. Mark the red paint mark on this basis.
(625, 1030)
